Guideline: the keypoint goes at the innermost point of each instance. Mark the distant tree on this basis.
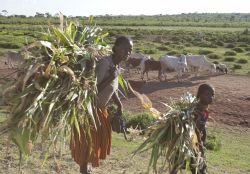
(39, 14)
(56, 15)
(232, 18)
(47, 15)
(5, 12)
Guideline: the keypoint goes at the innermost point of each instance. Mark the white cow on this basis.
(199, 63)
(172, 63)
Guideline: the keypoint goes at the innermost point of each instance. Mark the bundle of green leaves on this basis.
(56, 88)
(172, 138)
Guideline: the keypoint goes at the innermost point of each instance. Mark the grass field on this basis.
(232, 158)
(153, 35)
(223, 38)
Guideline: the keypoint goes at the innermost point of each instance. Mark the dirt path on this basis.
(232, 100)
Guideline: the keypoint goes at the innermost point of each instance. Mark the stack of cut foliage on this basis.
(172, 138)
(55, 92)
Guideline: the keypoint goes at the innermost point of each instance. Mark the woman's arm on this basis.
(118, 103)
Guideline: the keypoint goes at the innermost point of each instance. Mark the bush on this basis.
(205, 52)
(151, 51)
(229, 59)
(138, 50)
(140, 120)
(111, 110)
(173, 52)
(230, 45)
(242, 61)
(236, 66)
(246, 31)
(238, 50)
(163, 48)
(11, 45)
(230, 53)
(213, 143)
(213, 56)
(247, 48)
(188, 45)
(247, 54)
(206, 44)
(220, 43)
(215, 62)
(243, 45)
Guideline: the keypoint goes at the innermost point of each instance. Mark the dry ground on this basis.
(232, 95)
(231, 108)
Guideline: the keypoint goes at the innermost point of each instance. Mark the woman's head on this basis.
(205, 94)
(122, 49)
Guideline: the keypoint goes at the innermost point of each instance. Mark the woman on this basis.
(107, 85)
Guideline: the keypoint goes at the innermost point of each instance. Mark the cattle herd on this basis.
(180, 64)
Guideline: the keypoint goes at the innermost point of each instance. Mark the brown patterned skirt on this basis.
(93, 146)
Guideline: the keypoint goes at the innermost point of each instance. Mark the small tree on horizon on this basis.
(5, 12)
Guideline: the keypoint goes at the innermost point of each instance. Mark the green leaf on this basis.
(61, 36)
(90, 111)
(122, 83)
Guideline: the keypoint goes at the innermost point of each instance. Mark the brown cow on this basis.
(151, 65)
(134, 63)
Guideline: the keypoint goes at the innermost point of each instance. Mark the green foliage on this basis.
(111, 109)
(173, 52)
(188, 44)
(229, 59)
(155, 35)
(248, 54)
(242, 61)
(205, 52)
(163, 48)
(247, 48)
(238, 50)
(246, 31)
(213, 142)
(216, 62)
(206, 44)
(171, 136)
(220, 43)
(10, 45)
(230, 53)
(57, 92)
(140, 120)
(150, 51)
(213, 56)
(243, 45)
(236, 66)
(230, 45)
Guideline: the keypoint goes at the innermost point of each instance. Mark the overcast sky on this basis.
(125, 7)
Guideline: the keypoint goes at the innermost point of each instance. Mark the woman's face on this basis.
(123, 51)
(207, 97)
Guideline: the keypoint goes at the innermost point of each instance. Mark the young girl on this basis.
(205, 96)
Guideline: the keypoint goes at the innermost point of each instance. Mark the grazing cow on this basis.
(172, 63)
(152, 65)
(136, 61)
(221, 68)
(199, 63)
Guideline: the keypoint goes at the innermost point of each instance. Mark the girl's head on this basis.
(122, 49)
(205, 94)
